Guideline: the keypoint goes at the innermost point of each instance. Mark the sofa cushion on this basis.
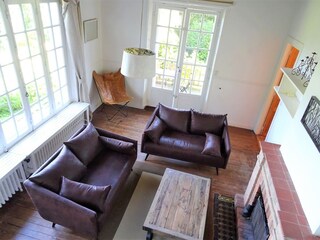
(184, 141)
(212, 145)
(87, 195)
(210, 123)
(65, 164)
(155, 129)
(174, 118)
(118, 145)
(86, 145)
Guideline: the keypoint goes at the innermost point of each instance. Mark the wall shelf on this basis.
(290, 90)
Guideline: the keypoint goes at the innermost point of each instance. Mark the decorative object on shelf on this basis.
(138, 63)
(311, 120)
(306, 68)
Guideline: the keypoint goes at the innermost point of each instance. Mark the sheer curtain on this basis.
(72, 21)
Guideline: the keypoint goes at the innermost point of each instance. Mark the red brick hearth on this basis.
(286, 219)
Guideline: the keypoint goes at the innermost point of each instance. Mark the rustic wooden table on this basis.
(179, 208)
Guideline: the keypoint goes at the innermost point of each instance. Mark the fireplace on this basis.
(270, 178)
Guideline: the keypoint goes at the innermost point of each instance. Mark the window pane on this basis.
(21, 121)
(174, 36)
(54, 11)
(57, 36)
(161, 50)
(162, 34)
(2, 27)
(208, 23)
(163, 17)
(48, 39)
(60, 56)
(199, 73)
(58, 100)
(195, 21)
(2, 87)
(10, 77)
(202, 57)
(9, 130)
(159, 66)
(176, 19)
(15, 101)
(172, 52)
(42, 88)
(157, 82)
(5, 52)
(33, 43)
(28, 16)
(168, 83)
(45, 15)
(32, 93)
(205, 41)
(52, 61)
(55, 81)
(196, 87)
(4, 108)
(36, 114)
(63, 76)
(22, 45)
(192, 39)
(190, 55)
(45, 107)
(187, 72)
(16, 16)
(65, 95)
(170, 69)
(27, 71)
(37, 66)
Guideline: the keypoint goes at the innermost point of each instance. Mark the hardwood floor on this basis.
(20, 220)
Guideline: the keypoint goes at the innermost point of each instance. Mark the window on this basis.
(185, 42)
(33, 67)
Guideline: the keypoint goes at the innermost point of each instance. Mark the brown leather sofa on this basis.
(78, 186)
(187, 135)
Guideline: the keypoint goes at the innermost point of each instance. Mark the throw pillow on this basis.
(155, 130)
(212, 145)
(86, 145)
(65, 164)
(202, 123)
(118, 145)
(174, 118)
(87, 195)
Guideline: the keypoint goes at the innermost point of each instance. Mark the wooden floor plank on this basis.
(20, 220)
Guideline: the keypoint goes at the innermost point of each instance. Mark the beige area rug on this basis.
(137, 210)
(128, 215)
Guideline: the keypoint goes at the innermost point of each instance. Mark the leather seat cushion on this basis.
(180, 140)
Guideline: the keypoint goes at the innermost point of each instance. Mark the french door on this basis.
(185, 42)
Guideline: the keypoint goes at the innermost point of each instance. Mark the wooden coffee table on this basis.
(179, 208)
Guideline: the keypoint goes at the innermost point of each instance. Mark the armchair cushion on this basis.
(174, 118)
(86, 146)
(90, 196)
(212, 145)
(155, 130)
(202, 123)
(50, 177)
(118, 145)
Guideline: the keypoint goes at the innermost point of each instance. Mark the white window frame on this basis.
(39, 29)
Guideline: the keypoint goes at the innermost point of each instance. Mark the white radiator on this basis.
(10, 181)
(40, 155)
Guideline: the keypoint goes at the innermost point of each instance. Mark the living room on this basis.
(253, 39)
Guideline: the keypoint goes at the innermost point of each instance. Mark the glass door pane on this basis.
(196, 52)
(167, 45)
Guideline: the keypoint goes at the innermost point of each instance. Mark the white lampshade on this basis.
(138, 63)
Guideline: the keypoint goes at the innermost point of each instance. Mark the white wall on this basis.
(251, 43)
(92, 49)
(300, 154)
(121, 20)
